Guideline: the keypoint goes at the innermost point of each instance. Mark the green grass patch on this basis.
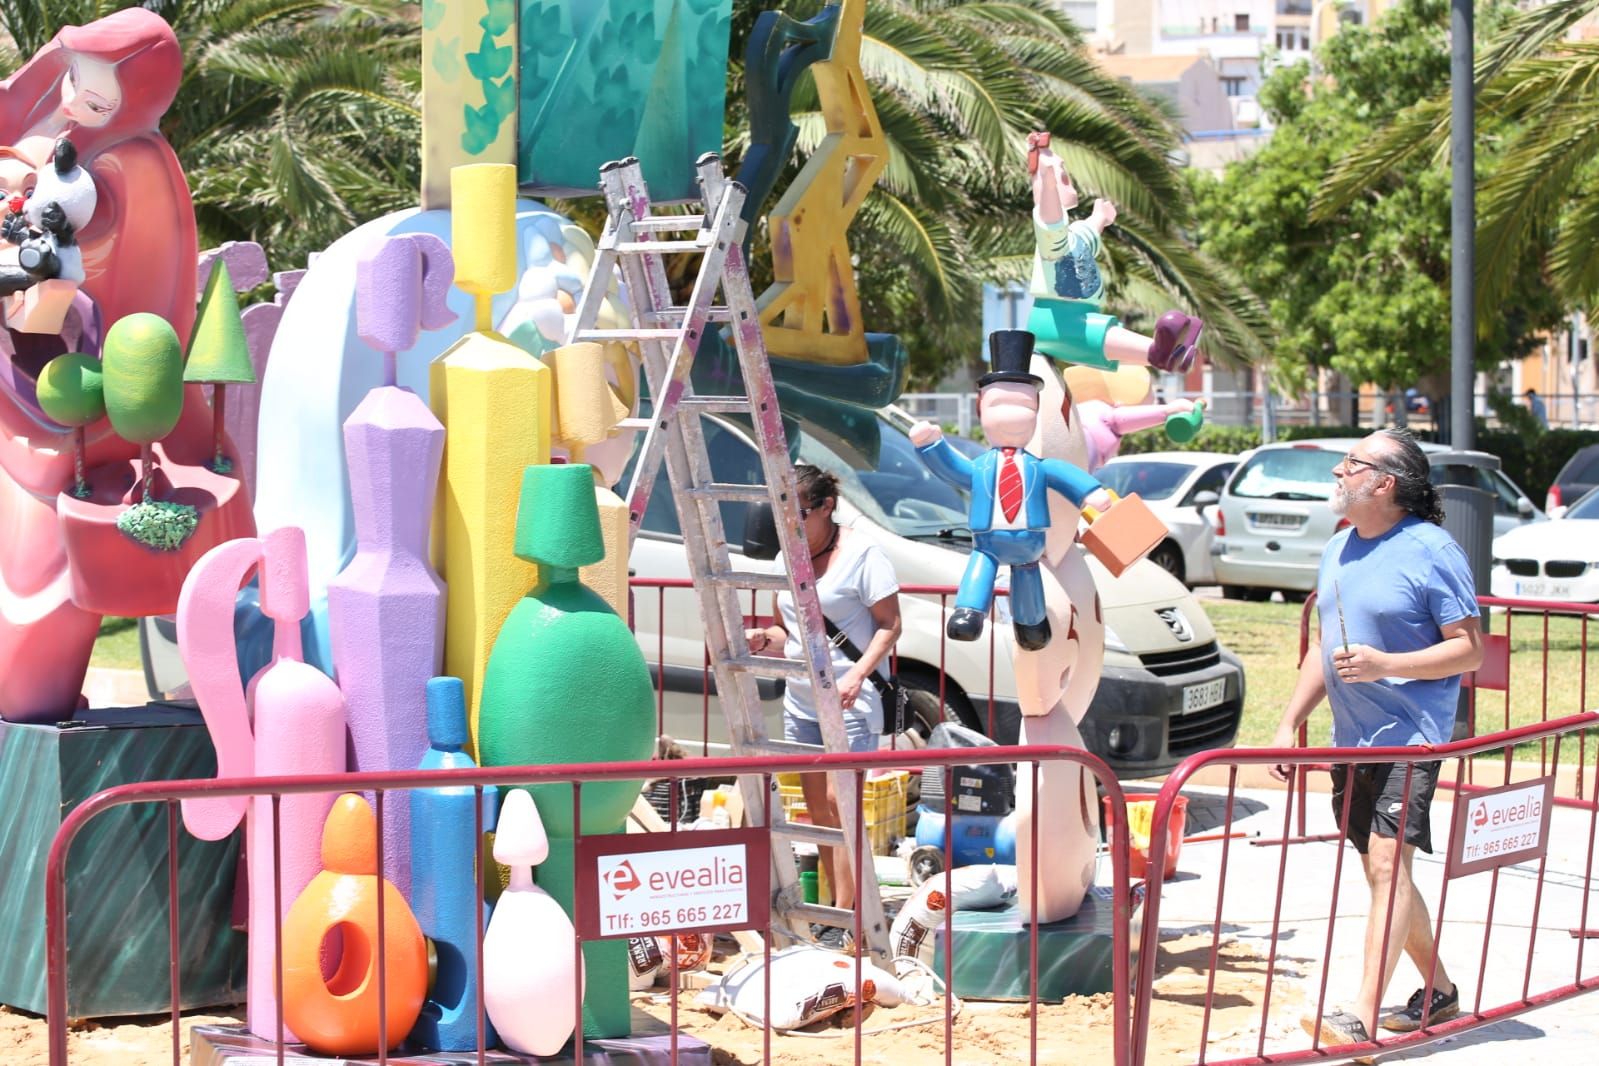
(1266, 637)
(117, 646)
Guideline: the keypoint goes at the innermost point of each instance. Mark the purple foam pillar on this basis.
(386, 608)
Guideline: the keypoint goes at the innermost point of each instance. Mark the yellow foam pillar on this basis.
(587, 408)
(497, 408)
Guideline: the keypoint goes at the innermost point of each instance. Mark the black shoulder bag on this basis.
(894, 698)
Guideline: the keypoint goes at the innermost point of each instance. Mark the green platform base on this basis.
(117, 936)
(650, 1045)
(992, 957)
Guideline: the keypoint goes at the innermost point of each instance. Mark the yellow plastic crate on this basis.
(886, 799)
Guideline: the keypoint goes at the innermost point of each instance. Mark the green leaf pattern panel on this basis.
(605, 79)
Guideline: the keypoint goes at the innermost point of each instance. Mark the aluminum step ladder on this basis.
(668, 337)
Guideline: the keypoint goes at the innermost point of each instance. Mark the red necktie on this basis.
(1010, 485)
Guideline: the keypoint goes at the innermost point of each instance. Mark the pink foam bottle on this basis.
(289, 720)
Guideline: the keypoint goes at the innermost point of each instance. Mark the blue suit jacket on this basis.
(980, 475)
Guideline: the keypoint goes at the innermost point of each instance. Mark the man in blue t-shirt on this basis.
(1399, 625)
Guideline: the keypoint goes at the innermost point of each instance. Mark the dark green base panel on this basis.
(117, 935)
(650, 1045)
(992, 959)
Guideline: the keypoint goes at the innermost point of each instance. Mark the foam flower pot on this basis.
(114, 574)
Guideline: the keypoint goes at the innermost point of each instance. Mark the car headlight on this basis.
(1112, 641)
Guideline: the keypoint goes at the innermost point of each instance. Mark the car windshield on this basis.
(898, 492)
(1587, 507)
(1152, 481)
(1287, 474)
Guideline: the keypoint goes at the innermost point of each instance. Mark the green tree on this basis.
(957, 87)
(142, 363)
(1538, 182)
(71, 391)
(219, 353)
(1363, 289)
(297, 119)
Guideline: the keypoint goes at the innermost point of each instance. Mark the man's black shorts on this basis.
(1378, 798)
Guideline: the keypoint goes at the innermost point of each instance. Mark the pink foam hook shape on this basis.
(212, 661)
(400, 289)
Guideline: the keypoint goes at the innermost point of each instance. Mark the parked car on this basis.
(1556, 560)
(1580, 474)
(1182, 488)
(1275, 517)
(1168, 687)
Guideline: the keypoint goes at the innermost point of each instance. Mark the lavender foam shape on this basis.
(386, 608)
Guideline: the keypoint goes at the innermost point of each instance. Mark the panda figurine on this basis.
(44, 223)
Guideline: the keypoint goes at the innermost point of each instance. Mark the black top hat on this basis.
(1012, 350)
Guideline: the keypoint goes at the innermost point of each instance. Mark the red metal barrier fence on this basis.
(1537, 985)
(857, 766)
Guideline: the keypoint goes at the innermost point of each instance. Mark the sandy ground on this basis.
(145, 1041)
(1076, 1031)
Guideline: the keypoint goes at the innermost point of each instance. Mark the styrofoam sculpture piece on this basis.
(44, 225)
(1068, 289)
(338, 1014)
(1010, 492)
(288, 720)
(494, 400)
(444, 858)
(541, 704)
(386, 608)
(529, 967)
(1112, 404)
(139, 255)
(317, 341)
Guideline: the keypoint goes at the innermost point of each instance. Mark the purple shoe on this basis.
(1176, 342)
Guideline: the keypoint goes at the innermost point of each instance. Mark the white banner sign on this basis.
(1501, 827)
(662, 891)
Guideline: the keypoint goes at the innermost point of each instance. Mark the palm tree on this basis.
(957, 87)
(297, 119)
(1537, 94)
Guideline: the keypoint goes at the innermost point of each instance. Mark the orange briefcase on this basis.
(1123, 533)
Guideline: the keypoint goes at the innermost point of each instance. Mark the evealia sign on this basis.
(705, 880)
(1501, 826)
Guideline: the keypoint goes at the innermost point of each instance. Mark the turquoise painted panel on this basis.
(117, 937)
(606, 79)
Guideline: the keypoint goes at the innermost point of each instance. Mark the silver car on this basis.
(1275, 517)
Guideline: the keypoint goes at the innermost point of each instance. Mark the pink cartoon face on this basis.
(90, 94)
(1008, 411)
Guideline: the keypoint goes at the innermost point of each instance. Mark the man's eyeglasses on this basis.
(1351, 463)
(806, 512)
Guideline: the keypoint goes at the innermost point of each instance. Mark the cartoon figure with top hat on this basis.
(1010, 493)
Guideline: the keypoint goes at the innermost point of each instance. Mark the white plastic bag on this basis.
(808, 984)
(972, 888)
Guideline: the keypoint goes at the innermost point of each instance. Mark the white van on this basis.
(1168, 689)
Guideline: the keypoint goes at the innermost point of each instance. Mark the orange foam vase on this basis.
(338, 1014)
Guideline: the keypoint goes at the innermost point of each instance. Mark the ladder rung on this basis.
(748, 579)
(730, 493)
(669, 223)
(823, 836)
(717, 313)
(629, 334)
(784, 747)
(658, 247)
(715, 404)
(769, 666)
(640, 424)
(815, 912)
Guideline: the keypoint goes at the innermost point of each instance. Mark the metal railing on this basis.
(171, 793)
(1302, 761)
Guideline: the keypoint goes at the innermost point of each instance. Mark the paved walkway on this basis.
(1566, 1032)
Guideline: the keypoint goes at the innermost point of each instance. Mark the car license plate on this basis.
(1541, 590)
(1203, 695)
(1277, 521)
